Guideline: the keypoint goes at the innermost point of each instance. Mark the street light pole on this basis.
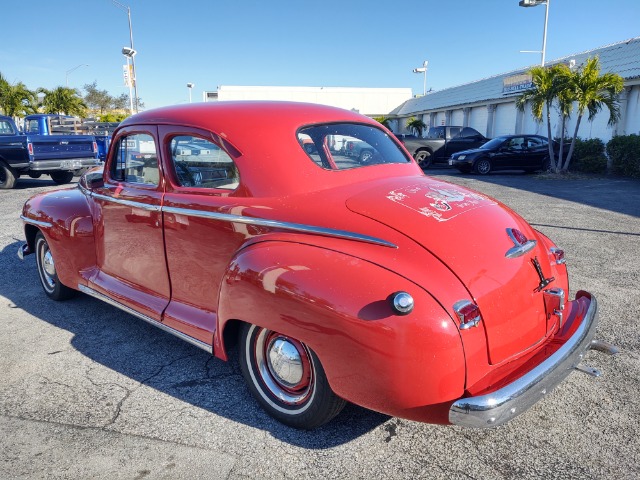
(66, 76)
(129, 54)
(535, 3)
(544, 34)
(133, 62)
(423, 70)
(190, 86)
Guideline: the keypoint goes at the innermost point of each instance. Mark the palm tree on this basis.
(386, 121)
(416, 125)
(63, 100)
(16, 99)
(591, 92)
(547, 81)
(565, 103)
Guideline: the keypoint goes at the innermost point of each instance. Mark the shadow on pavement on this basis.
(595, 191)
(143, 353)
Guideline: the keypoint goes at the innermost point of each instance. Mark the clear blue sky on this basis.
(348, 43)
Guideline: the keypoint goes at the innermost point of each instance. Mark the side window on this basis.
(136, 160)
(436, 132)
(516, 143)
(32, 127)
(6, 128)
(469, 133)
(454, 131)
(534, 142)
(201, 163)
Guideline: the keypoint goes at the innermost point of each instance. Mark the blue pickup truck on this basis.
(49, 124)
(35, 154)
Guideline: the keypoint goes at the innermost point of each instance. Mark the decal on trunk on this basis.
(439, 201)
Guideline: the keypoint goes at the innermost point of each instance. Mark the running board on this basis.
(193, 341)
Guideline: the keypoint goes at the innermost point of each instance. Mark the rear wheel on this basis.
(47, 271)
(423, 157)
(286, 377)
(482, 166)
(546, 165)
(61, 177)
(8, 176)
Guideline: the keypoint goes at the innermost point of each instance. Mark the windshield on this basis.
(494, 143)
(341, 146)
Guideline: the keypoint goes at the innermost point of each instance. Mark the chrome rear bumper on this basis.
(499, 407)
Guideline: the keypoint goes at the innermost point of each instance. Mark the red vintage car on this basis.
(338, 278)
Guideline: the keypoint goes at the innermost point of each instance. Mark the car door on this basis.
(511, 154)
(200, 237)
(128, 225)
(537, 151)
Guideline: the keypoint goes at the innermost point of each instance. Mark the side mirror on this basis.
(92, 179)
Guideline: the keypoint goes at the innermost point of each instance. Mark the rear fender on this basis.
(338, 305)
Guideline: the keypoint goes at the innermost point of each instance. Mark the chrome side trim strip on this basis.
(298, 227)
(37, 223)
(128, 203)
(499, 407)
(193, 341)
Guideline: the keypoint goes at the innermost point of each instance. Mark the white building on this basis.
(488, 105)
(368, 101)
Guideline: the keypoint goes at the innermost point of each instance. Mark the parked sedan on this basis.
(508, 152)
(338, 280)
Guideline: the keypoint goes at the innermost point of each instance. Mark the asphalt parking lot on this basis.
(87, 391)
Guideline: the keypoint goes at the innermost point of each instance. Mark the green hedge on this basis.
(588, 156)
(624, 152)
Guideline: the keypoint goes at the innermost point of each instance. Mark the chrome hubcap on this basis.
(48, 265)
(285, 362)
(284, 366)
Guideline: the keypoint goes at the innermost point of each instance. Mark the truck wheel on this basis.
(423, 157)
(8, 176)
(482, 166)
(61, 177)
(286, 377)
(47, 271)
(365, 156)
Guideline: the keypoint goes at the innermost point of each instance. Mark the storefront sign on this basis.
(516, 83)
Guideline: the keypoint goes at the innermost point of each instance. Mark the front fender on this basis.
(337, 304)
(64, 218)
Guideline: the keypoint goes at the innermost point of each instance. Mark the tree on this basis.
(591, 92)
(386, 121)
(416, 125)
(547, 82)
(17, 100)
(96, 99)
(63, 100)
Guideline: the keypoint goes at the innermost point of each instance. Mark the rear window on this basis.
(347, 145)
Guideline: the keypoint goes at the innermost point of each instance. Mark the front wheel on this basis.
(423, 157)
(286, 377)
(365, 156)
(52, 286)
(61, 177)
(482, 166)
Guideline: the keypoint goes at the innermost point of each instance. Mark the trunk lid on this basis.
(467, 231)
